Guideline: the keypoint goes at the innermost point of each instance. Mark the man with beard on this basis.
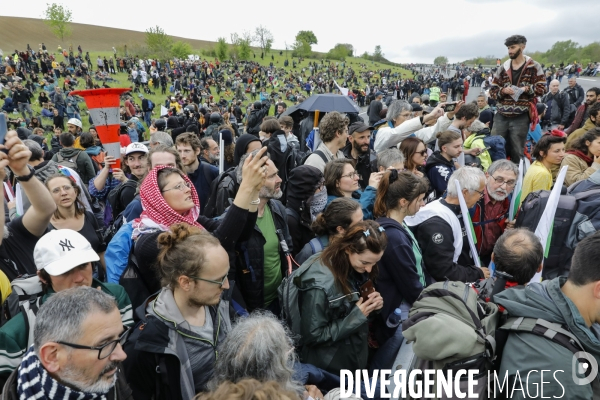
(512, 121)
(357, 150)
(209, 151)
(76, 351)
(262, 262)
(592, 122)
(200, 173)
(592, 97)
(64, 260)
(491, 212)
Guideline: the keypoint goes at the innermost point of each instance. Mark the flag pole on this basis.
(468, 225)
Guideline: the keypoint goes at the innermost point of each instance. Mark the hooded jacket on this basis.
(158, 350)
(300, 189)
(525, 352)
(475, 140)
(85, 168)
(438, 170)
(256, 118)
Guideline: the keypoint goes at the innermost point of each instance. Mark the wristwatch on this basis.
(26, 177)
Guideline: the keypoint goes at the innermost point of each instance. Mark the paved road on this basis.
(586, 83)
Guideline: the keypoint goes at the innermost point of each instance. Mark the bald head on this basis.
(519, 253)
(554, 86)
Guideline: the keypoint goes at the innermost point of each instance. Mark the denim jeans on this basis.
(514, 130)
(25, 107)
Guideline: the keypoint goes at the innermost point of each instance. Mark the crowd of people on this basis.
(158, 276)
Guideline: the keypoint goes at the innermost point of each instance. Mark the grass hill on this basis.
(18, 32)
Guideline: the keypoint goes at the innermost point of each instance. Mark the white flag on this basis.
(163, 110)
(341, 89)
(516, 197)
(468, 225)
(544, 228)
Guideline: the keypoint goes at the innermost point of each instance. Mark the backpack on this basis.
(460, 87)
(25, 298)
(317, 152)
(150, 105)
(132, 281)
(576, 217)
(68, 162)
(210, 209)
(114, 197)
(451, 329)
(497, 146)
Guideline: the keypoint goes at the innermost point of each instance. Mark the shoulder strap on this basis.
(315, 245)
(322, 155)
(549, 330)
(292, 213)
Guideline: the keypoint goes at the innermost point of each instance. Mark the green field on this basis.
(158, 99)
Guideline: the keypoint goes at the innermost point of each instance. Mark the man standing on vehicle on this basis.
(519, 72)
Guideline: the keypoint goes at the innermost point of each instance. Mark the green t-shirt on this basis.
(272, 260)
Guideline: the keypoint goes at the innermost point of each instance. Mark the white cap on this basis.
(136, 148)
(76, 122)
(61, 250)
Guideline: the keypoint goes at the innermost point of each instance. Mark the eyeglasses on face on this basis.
(422, 153)
(352, 175)
(501, 182)
(181, 187)
(106, 349)
(220, 283)
(480, 193)
(66, 188)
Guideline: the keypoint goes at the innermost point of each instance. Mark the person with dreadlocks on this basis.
(169, 197)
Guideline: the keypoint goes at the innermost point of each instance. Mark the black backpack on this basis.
(210, 209)
(283, 156)
(132, 281)
(558, 262)
(114, 197)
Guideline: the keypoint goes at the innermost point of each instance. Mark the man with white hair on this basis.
(491, 214)
(559, 107)
(441, 234)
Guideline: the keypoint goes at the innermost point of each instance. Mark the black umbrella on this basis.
(327, 103)
(291, 110)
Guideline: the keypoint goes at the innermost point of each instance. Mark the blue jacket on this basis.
(366, 199)
(117, 253)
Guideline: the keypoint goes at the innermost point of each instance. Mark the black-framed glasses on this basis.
(106, 349)
(501, 181)
(181, 187)
(220, 283)
(422, 153)
(481, 194)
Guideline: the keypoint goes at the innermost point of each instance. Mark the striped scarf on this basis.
(35, 383)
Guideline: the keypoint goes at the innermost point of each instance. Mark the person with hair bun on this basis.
(334, 316)
(402, 271)
(549, 153)
(337, 217)
(181, 326)
(583, 158)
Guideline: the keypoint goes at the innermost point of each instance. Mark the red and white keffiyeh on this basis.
(157, 213)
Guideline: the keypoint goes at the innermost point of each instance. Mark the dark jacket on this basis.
(364, 165)
(256, 117)
(202, 177)
(438, 255)
(85, 168)
(438, 170)
(120, 391)
(374, 109)
(300, 189)
(334, 330)
(576, 94)
(223, 194)
(400, 278)
(158, 363)
(559, 108)
(249, 269)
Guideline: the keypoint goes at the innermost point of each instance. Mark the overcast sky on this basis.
(408, 31)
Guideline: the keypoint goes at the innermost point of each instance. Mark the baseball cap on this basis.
(358, 127)
(61, 250)
(416, 107)
(378, 94)
(136, 148)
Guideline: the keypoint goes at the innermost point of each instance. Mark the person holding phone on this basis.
(334, 316)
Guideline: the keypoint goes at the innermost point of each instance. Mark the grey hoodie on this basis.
(525, 352)
(196, 354)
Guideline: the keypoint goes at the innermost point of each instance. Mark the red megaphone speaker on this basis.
(103, 105)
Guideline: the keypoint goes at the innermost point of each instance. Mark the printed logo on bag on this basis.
(437, 238)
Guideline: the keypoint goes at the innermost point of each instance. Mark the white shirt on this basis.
(388, 137)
